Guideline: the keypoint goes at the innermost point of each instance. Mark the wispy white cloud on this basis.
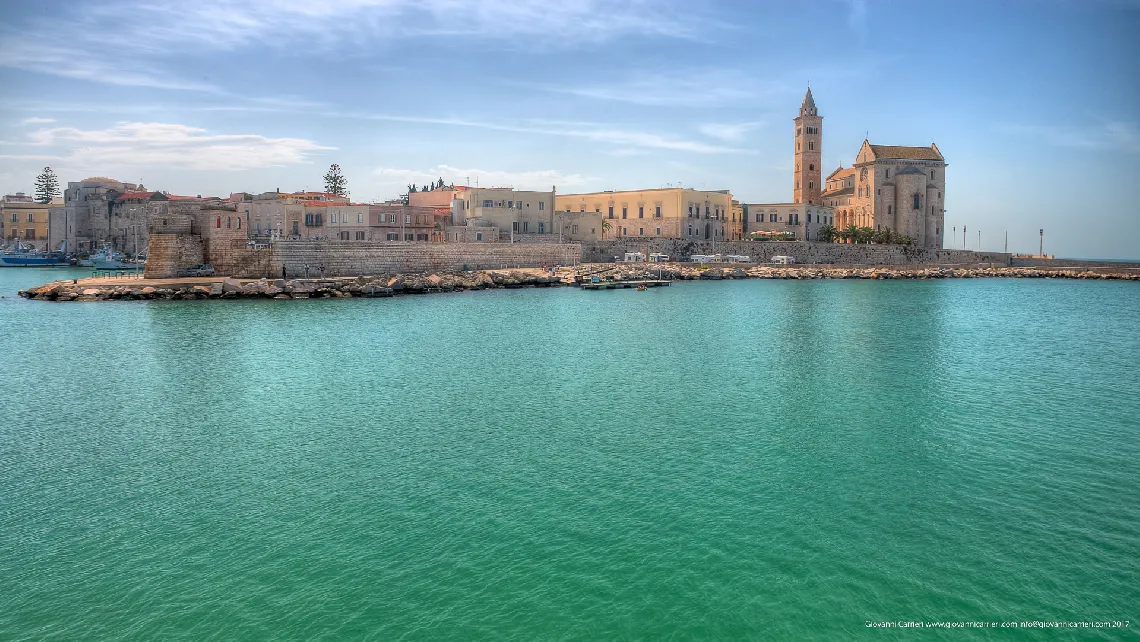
(857, 17)
(613, 136)
(77, 46)
(271, 20)
(165, 145)
(82, 59)
(535, 180)
(688, 88)
(35, 120)
(1117, 136)
(729, 132)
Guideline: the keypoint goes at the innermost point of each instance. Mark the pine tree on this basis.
(335, 182)
(47, 186)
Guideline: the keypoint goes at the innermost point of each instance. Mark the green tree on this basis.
(47, 186)
(827, 233)
(605, 226)
(335, 182)
(850, 233)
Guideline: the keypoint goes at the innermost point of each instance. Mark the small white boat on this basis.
(107, 259)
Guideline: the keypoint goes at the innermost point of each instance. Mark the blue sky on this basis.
(1033, 102)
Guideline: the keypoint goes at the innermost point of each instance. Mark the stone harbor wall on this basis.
(1070, 263)
(763, 251)
(169, 254)
(350, 258)
(232, 255)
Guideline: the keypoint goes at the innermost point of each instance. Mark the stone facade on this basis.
(896, 187)
(169, 254)
(214, 234)
(25, 220)
(516, 212)
(800, 220)
(809, 150)
(901, 188)
(673, 212)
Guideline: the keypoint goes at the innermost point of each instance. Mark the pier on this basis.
(616, 285)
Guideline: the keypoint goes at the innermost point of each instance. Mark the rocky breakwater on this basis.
(364, 286)
(676, 272)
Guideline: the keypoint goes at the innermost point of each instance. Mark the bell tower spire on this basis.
(809, 147)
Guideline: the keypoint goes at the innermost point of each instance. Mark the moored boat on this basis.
(27, 256)
(108, 259)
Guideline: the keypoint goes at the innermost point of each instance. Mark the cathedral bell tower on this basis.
(809, 142)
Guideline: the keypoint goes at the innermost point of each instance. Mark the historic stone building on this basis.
(901, 188)
(807, 212)
(809, 150)
(889, 186)
(673, 212)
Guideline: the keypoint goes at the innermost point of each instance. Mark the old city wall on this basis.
(761, 251)
(169, 254)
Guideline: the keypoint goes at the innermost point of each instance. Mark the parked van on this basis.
(783, 259)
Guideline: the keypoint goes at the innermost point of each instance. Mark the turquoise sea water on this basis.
(748, 459)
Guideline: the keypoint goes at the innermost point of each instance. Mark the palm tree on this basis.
(827, 233)
(851, 233)
(605, 226)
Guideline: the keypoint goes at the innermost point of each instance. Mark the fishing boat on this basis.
(107, 259)
(27, 256)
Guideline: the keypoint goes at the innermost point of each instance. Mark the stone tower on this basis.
(809, 142)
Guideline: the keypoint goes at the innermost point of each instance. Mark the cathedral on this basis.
(889, 186)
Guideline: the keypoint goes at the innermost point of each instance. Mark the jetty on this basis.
(616, 285)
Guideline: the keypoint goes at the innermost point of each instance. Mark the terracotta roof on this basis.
(909, 153)
(839, 192)
(842, 172)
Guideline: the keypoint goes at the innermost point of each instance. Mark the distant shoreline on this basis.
(382, 286)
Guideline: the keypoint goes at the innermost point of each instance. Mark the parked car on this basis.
(204, 269)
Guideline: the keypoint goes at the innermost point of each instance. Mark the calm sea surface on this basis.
(749, 459)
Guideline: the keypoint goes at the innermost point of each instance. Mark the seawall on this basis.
(169, 255)
(803, 252)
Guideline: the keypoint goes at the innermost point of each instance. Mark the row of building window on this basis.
(622, 231)
(625, 211)
(31, 218)
(344, 218)
(511, 204)
(526, 227)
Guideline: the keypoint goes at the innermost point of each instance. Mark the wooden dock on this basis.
(616, 285)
